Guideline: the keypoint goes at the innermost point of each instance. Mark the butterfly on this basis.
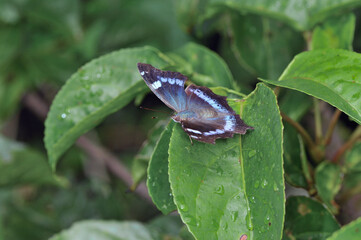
(204, 115)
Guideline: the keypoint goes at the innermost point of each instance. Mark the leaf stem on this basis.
(304, 163)
(318, 121)
(317, 153)
(306, 137)
(331, 127)
(356, 135)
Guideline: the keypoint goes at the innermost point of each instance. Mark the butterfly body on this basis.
(203, 115)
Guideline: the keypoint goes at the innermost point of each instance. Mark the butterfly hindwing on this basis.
(167, 85)
(216, 119)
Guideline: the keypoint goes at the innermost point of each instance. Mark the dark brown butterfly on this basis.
(204, 115)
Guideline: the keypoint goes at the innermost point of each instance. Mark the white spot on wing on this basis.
(142, 73)
(163, 79)
(179, 82)
(192, 136)
(171, 81)
(156, 84)
(230, 123)
(193, 131)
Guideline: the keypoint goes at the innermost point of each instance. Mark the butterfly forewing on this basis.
(167, 85)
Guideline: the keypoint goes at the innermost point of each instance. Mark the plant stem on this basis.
(306, 137)
(356, 135)
(316, 152)
(304, 163)
(331, 127)
(318, 124)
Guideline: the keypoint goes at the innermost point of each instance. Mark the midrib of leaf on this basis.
(241, 106)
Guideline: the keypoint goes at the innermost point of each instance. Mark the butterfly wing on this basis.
(166, 85)
(216, 119)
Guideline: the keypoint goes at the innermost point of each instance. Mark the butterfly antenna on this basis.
(153, 110)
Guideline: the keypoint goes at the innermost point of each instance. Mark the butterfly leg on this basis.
(190, 140)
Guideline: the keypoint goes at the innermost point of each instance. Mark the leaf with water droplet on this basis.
(119, 82)
(197, 184)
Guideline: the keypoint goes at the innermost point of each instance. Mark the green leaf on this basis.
(21, 165)
(350, 232)
(308, 219)
(204, 66)
(104, 230)
(262, 46)
(332, 75)
(328, 178)
(96, 90)
(336, 32)
(158, 180)
(140, 163)
(302, 15)
(236, 186)
(353, 159)
(165, 227)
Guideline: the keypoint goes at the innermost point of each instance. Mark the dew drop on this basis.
(63, 115)
(251, 153)
(234, 215)
(220, 190)
(275, 187)
(249, 222)
(265, 183)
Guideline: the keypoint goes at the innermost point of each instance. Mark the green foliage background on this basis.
(290, 58)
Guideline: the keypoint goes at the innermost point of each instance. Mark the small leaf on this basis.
(308, 219)
(204, 66)
(140, 163)
(328, 182)
(236, 186)
(98, 89)
(21, 165)
(332, 75)
(104, 230)
(158, 180)
(353, 159)
(350, 232)
(336, 32)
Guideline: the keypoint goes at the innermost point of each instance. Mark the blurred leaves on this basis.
(308, 219)
(334, 33)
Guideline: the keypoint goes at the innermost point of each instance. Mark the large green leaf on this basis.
(307, 219)
(204, 66)
(236, 186)
(104, 230)
(158, 180)
(301, 14)
(334, 33)
(332, 75)
(350, 232)
(263, 46)
(96, 90)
